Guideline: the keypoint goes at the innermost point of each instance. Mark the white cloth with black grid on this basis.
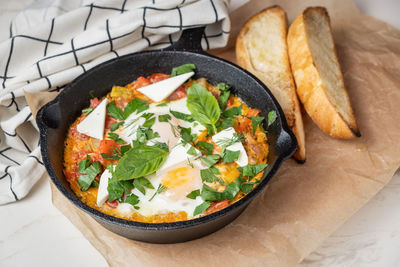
(50, 44)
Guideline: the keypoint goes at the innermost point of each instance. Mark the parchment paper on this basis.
(305, 203)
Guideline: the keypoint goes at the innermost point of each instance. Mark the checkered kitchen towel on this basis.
(51, 43)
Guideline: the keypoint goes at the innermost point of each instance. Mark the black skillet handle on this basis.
(286, 144)
(190, 40)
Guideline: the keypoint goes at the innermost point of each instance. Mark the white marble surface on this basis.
(34, 233)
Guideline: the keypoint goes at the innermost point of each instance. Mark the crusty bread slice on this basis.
(316, 71)
(261, 48)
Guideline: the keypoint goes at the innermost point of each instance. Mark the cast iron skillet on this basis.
(54, 119)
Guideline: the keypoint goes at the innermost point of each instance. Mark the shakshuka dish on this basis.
(166, 148)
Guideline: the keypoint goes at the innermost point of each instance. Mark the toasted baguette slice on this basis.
(316, 71)
(261, 48)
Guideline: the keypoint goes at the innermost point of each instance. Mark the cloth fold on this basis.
(50, 44)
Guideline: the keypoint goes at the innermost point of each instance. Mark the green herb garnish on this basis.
(116, 138)
(87, 111)
(230, 156)
(210, 160)
(192, 151)
(194, 194)
(161, 188)
(271, 117)
(206, 148)
(203, 106)
(141, 183)
(255, 121)
(201, 208)
(139, 161)
(252, 170)
(115, 126)
(88, 172)
(182, 116)
(164, 118)
(182, 69)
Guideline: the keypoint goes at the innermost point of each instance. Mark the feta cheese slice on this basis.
(179, 154)
(102, 192)
(238, 146)
(162, 89)
(93, 124)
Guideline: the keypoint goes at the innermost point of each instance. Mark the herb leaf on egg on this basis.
(116, 138)
(203, 106)
(192, 151)
(182, 69)
(182, 116)
(116, 189)
(139, 161)
(133, 200)
(164, 118)
(208, 175)
(115, 126)
(194, 194)
(136, 104)
(161, 188)
(115, 111)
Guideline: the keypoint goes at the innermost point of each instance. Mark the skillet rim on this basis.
(290, 149)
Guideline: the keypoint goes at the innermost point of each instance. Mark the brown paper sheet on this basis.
(305, 203)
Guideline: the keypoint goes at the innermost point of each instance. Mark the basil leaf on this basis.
(205, 147)
(132, 199)
(201, 208)
(230, 156)
(194, 194)
(182, 116)
(164, 118)
(182, 69)
(203, 105)
(116, 138)
(271, 117)
(116, 189)
(192, 151)
(87, 111)
(115, 126)
(255, 121)
(140, 183)
(252, 170)
(88, 173)
(124, 149)
(115, 111)
(233, 111)
(135, 105)
(210, 160)
(106, 156)
(139, 161)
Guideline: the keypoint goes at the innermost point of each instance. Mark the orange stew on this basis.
(86, 158)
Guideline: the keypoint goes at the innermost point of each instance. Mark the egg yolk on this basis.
(181, 181)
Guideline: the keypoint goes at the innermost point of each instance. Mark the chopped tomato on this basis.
(244, 125)
(230, 102)
(141, 82)
(156, 77)
(81, 155)
(178, 93)
(214, 207)
(252, 112)
(94, 102)
(71, 176)
(109, 120)
(112, 204)
(107, 146)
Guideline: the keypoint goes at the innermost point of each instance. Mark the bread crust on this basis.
(310, 88)
(280, 83)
